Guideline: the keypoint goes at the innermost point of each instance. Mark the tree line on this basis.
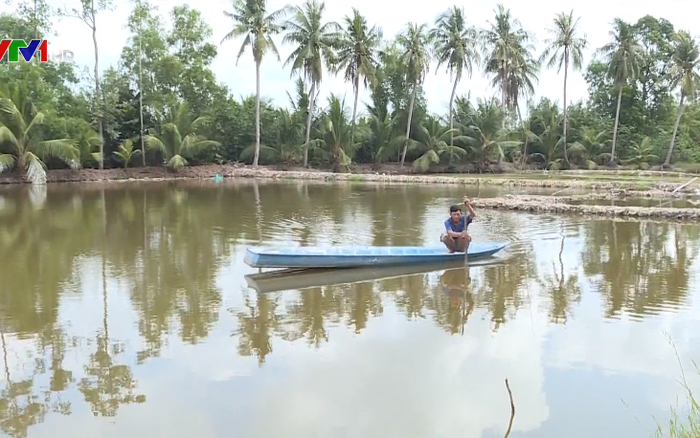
(163, 103)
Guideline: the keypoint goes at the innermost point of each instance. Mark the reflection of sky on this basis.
(397, 378)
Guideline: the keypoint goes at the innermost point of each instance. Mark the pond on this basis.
(126, 310)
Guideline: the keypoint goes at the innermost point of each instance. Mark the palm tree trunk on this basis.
(143, 144)
(452, 125)
(667, 162)
(308, 124)
(98, 96)
(504, 78)
(356, 86)
(523, 160)
(617, 120)
(410, 120)
(256, 159)
(566, 74)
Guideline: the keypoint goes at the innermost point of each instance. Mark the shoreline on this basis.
(546, 204)
(630, 181)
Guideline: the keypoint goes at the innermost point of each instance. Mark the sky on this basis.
(595, 19)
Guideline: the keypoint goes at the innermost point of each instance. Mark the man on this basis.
(456, 237)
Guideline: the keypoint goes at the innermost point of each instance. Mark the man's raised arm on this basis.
(470, 208)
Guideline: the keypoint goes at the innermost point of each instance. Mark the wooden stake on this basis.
(684, 185)
(512, 410)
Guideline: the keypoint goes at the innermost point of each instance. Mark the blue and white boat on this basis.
(361, 256)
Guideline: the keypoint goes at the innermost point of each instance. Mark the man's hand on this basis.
(467, 201)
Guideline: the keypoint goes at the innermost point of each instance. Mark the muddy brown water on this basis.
(127, 310)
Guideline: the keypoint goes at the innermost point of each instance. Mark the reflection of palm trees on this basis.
(108, 385)
(564, 290)
(20, 407)
(410, 294)
(500, 291)
(256, 326)
(188, 245)
(636, 271)
(39, 250)
(313, 310)
(363, 302)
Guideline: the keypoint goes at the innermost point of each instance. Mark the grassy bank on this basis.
(684, 422)
(685, 425)
(596, 180)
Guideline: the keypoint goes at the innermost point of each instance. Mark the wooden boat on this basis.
(359, 256)
(297, 279)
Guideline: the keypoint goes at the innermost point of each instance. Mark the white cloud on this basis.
(408, 379)
(596, 17)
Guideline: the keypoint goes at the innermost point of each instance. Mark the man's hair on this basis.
(455, 208)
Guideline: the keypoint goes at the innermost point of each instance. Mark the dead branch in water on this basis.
(512, 410)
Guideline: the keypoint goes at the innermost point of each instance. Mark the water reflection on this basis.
(641, 268)
(120, 295)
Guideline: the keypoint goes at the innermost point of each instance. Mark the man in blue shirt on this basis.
(456, 238)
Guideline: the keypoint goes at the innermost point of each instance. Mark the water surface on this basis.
(125, 311)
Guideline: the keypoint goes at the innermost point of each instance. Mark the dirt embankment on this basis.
(391, 176)
(549, 204)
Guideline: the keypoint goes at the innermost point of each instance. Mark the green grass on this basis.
(685, 424)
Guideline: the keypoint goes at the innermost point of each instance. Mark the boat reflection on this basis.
(296, 279)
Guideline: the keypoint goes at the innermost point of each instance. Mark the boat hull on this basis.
(360, 256)
(305, 278)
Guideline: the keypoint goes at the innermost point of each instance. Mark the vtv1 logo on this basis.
(14, 48)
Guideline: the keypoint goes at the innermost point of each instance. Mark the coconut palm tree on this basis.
(483, 126)
(357, 54)
(591, 146)
(456, 48)
(683, 74)
(315, 43)
(548, 122)
(504, 43)
(178, 139)
(640, 153)
(432, 144)
(624, 56)
(564, 48)
(21, 145)
(126, 152)
(415, 43)
(252, 20)
(520, 80)
(336, 134)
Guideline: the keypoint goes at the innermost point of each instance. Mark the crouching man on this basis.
(456, 238)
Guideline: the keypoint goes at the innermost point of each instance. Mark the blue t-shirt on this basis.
(464, 222)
